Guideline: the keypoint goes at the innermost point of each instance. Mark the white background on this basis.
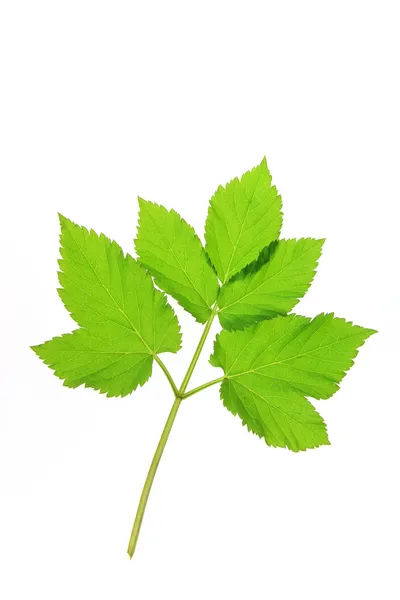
(101, 101)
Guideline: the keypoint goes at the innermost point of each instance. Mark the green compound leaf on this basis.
(126, 321)
(270, 368)
(174, 255)
(270, 286)
(243, 218)
(272, 363)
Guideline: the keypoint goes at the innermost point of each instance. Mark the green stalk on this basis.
(150, 476)
(197, 352)
(167, 374)
(179, 395)
(202, 387)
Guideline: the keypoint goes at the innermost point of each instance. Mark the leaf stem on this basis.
(197, 352)
(167, 374)
(179, 394)
(202, 387)
(150, 477)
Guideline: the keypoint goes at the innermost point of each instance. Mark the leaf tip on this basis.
(142, 202)
(369, 332)
(64, 221)
(38, 350)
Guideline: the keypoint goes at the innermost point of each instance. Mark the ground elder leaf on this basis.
(271, 367)
(272, 362)
(272, 288)
(243, 218)
(174, 255)
(125, 321)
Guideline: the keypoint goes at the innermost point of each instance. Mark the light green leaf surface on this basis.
(174, 255)
(272, 288)
(270, 368)
(114, 364)
(243, 218)
(126, 321)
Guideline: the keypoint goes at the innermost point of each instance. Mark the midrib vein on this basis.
(111, 296)
(265, 282)
(177, 260)
(241, 230)
(279, 362)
